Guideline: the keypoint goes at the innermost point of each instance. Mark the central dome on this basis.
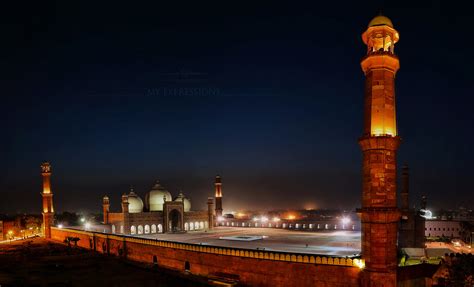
(380, 21)
(135, 203)
(154, 199)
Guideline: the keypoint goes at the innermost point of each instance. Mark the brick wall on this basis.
(255, 268)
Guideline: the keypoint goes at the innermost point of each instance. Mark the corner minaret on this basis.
(106, 209)
(48, 209)
(379, 143)
(218, 188)
(210, 212)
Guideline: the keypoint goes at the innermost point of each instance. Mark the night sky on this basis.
(268, 96)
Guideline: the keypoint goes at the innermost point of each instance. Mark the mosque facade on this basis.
(159, 212)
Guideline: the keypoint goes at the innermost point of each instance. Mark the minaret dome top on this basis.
(380, 21)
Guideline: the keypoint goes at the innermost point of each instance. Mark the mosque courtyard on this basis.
(335, 243)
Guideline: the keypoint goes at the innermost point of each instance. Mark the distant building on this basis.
(159, 213)
(443, 228)
(10, 228)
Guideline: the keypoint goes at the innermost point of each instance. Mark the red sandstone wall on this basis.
(251, 271)
(115, 217)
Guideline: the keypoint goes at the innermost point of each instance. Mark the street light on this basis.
(345, 221)
(87, 225)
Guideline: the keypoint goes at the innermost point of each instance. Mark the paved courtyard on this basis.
(338, 243)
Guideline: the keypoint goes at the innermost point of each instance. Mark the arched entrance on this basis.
(175, 220)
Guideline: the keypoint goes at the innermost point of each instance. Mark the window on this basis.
(187, 266)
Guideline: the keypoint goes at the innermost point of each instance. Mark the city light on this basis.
(220, 218)
(264, 219)
(426, 213)
(255, 219)
(87, 225)
(83, 219)
(276, 219)
(346, 220)
(360, 263)
(291, 217)
(60, 226)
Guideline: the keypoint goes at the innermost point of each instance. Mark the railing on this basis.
(380, 53)
(230, 251)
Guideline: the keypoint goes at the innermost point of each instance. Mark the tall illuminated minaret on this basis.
(106, 208)
(218, 187)
(48, 209)
(379, 143)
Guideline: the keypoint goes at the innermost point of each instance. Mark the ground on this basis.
(38, 262)
(336, 243)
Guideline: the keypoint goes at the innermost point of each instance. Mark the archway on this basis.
(153, 228)
(113, 228)
(187, 266)
(133, 230)
(160, 228)
(186, 226)
(147, 229)
(140, 229)
(175, 220)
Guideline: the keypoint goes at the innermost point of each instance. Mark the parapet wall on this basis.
(251, 267)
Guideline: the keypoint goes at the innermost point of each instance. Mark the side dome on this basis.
(154, 199)
(135, 203)
(380, 21)
(186, 201)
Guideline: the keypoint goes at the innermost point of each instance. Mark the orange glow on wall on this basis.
(383, 125)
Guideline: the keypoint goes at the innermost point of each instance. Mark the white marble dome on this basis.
(186, 201)
(135, 203)
(154, 199)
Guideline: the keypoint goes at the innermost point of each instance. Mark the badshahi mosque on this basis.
(160, 212)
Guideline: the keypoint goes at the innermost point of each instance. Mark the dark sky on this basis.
(268, 96)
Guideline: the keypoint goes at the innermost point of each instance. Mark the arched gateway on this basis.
(173, 212)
